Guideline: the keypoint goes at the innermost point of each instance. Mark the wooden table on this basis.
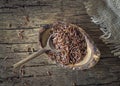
(20, 21)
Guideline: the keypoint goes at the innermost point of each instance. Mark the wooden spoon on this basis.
(48, 47)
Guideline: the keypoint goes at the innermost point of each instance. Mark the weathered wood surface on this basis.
(29, 16)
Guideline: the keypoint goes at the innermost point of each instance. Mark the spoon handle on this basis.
(34, 55)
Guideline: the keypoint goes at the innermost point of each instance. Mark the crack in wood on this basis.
(99, 84)
(20, 28)
(23, 6)
(38, 65)
(6, 13)
(18, 43)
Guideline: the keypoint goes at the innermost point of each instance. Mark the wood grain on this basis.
(30, 16)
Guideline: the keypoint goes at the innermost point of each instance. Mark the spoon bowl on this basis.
(89, 60)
